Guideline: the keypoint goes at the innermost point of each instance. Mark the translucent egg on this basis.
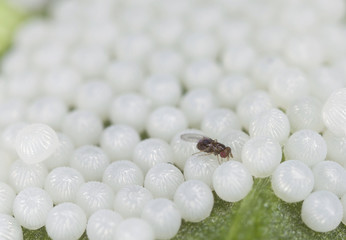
(322, 211)
(287, 86)
(10, 228)
(305, 113)
(94, 96)
(336, 147)
(119, 141)
(307, 146)
(92, 196)
(9, 136)
(62, 184)
(163, 179)
(47, 110)
(36, 142)
(200, 168)
(165, 122)
(194, 200)
(66, 221)
(150, 152)
(272, 123)
(162, 89)
(90, 161)
(122, 173)
(261, 155)
(195, 104)
(333, 112)
(7, 196)
(197, 45)
(232, 181)
(235, 139)
(251, 105)
(163, 216)
(238, 58)
(62, 83)
(83, 127)
(130, 200)
(62, 154)
(202, 73)
(22, 175)
(218, 121)
(31, 207)
(166, 61)
(102, 224)
(124, 76)
(182, 150)
(231, 88)
(11, 110)
(292, 181)
(330, 176)
(89, 60)
(134, 229)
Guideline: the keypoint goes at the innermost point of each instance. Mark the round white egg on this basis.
(7, 196)
(134, 229)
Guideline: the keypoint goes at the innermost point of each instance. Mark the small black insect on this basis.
(208, 145)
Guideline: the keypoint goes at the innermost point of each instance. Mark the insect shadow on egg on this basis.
(208, 146)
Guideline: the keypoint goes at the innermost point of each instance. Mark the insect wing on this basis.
(192, 137)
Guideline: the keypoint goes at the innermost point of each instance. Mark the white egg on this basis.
(218, 121)
(200, 168)
(12, 111)
(36, 142)
(195, 104)
(31, 207)
(62, 154)
(19, 172)
(238, 57)
(92, 196)
(130, 108)
(6, 162)
(195, 200)
(232, 181)
(102, 224)
(307, 146)
(163, 217)
(162, 90)
(165, 122)
(23, 85)
(134, 229)
(83, 127)
(150, 152)
(168, 31)
(305, 113)
(163, 179)
(66, 221)
(130, 200)
(90, 161)
(122, 173)
(235, 139)
(62, 184)
(330, 176)
(10, 228)
(322, 211)
(199, 45)
(7, 196)
(261, 156)
(166, 61)
(119, 141)
(201, 73)
(182, 149)
(336, 147)
(333, 112)
(292, 181)
(271, 123)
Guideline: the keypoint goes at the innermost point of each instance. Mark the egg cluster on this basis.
(94, 98)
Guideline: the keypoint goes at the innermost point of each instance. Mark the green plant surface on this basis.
(261, 215)
(10, 17)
